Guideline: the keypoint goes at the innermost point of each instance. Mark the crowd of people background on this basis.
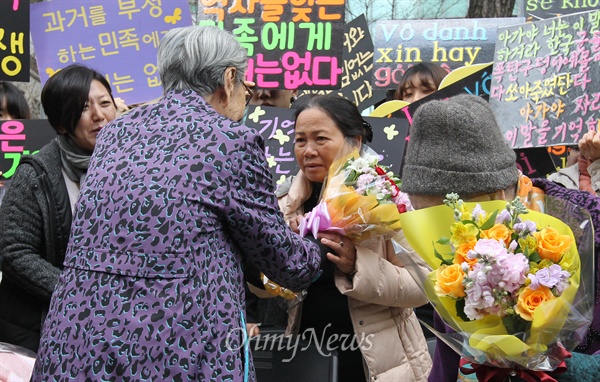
(132, 243)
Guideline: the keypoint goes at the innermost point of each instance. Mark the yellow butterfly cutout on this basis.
(280, 136)
(281, 180)
(255, 116)
(175, 18)
(50, 72)
(271, 161)
(387, 108)
(390, 131)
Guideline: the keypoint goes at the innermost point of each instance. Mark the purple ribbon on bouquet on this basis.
(317, 220)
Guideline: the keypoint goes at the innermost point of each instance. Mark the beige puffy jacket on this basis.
(381, 296)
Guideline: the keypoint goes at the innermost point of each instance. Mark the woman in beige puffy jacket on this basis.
(362, 305)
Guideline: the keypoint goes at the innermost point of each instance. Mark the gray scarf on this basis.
(75, 161)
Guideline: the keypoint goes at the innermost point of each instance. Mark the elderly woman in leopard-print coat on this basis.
(177, 196)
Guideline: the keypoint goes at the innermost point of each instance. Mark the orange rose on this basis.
(551, 244)
(461, 253)
(530, 299)
(449, 281)
(498, 232)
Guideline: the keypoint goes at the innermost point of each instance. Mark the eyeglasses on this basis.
(248, 92)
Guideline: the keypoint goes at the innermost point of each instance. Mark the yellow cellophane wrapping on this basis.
(424, 227)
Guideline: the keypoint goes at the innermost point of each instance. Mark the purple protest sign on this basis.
(119, 39)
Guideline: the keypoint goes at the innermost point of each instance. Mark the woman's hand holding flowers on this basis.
(345, 252)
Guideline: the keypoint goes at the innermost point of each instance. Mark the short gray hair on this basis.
(196, 57)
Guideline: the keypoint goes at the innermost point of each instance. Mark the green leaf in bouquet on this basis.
(514, 324)
(460, 309)
(351, 178)
(446, 259)
(443, 241)
(534, 256)
(394, 178)
(489, 223)
(514, 237)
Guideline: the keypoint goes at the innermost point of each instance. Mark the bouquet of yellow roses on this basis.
(361, 198)
(517, 291)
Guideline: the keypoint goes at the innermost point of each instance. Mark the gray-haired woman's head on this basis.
(196, 58)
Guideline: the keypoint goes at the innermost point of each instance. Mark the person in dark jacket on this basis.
(37, 209)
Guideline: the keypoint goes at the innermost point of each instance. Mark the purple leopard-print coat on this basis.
(176, 197)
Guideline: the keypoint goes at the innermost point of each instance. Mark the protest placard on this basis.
(461, 81)
(21, 137)
(535, 162)
(291, 45)
(559, 155)
(451, 43)
(14, 40)
(276, 126)
(358, 64)
(545, 88)
(358, 67)
(476, 82)
(117, 38)
(536, 10)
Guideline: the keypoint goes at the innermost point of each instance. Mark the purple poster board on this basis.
(545, 89)
(21, 137)
(292, 44)
(14, 40)
(118, 38)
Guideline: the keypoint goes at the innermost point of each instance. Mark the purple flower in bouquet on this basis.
(363, 182)
(524, 228)
(478, 214)
(514, 268)
(503, 217)
(492, 284)
(553, 276)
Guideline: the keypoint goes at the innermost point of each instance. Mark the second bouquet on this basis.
(361, 198)
(514, 284)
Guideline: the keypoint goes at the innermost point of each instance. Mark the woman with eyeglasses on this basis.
(178, 195)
